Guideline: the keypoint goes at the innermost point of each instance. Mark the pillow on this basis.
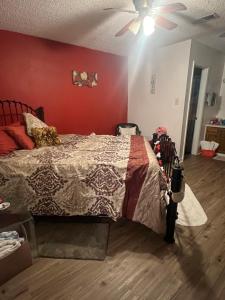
(7, 144)
(19, 135)
(3, 127)
(46, 136)
(33, 122)
(128, 131)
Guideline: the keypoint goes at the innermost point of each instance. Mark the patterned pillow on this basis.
(46, 136)
(33, 122)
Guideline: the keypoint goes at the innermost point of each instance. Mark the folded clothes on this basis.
(7, 247)
(9, 235)
(9, 242)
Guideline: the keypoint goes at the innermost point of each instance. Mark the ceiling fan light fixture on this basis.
(135, 26)
(148, 25)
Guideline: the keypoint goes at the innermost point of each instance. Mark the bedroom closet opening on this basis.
(192, 116)
(195, 113)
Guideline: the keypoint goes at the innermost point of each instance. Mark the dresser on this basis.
(216, 133)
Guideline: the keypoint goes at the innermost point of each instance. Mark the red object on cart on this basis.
(208, 153)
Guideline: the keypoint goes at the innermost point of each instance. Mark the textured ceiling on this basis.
(83, 22)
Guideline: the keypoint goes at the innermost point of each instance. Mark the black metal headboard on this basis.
(12, 111)
(168, 154)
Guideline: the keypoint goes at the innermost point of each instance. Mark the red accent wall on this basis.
(39, 72)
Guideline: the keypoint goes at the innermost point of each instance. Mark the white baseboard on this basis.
(220, 154)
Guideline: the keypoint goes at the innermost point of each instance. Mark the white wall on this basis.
(221, 113)
(166, 106)
(213, 60)
(173, 66)
(210, 58)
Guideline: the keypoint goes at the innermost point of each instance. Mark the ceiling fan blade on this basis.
(222, 35)
(206, 18)
(170, 8)
(125, 28)
(122, 10)
(163, 22)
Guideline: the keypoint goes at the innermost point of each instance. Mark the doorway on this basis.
(192, 116)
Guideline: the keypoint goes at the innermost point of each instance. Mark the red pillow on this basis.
(7, 144)
(18, 133)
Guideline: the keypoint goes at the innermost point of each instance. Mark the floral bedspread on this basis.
(88, 175)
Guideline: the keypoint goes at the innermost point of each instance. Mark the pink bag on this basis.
(161, 130)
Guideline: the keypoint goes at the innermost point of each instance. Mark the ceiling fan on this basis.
(149, 16)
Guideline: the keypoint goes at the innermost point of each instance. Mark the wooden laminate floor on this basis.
(139, 264)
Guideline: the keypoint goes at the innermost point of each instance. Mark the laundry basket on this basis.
(208, 149)
(208, 153)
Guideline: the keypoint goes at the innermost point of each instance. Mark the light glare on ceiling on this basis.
(148, 25)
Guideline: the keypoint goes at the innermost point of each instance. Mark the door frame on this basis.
(200, 109)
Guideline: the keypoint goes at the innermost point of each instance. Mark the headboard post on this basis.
(12, 111)
(40, 113)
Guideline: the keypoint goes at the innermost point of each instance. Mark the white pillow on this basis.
(32, 122)
(128, 131)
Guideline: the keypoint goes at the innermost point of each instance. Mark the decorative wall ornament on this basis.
(153, 83)
(85, 79)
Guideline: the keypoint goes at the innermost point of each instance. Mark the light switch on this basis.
(176, 102)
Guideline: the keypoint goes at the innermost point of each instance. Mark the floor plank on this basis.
(139, 264)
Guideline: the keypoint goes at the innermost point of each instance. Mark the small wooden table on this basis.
(12, 219)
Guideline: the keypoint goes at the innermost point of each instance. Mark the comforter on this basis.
(88, 175)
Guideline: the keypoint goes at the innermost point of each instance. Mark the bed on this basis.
(95, 175)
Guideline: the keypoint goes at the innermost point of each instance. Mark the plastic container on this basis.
(15, 262)
(208, 153)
